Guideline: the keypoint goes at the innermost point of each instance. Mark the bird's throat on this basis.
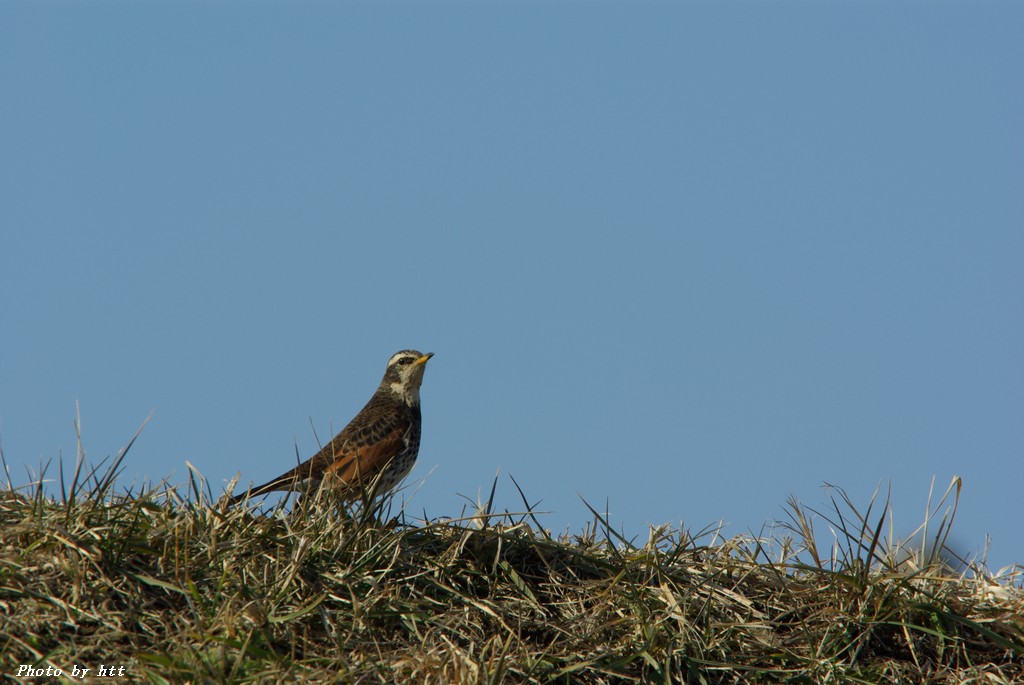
(409, 395)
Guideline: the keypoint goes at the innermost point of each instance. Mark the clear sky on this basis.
(686, 259)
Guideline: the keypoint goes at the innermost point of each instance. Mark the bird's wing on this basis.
(365, 454)
(351, 457)
(355, 455)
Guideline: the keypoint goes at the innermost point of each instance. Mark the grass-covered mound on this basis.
(176, 588)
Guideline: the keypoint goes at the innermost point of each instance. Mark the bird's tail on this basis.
(274, 485)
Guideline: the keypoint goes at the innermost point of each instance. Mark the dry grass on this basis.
(178, 588)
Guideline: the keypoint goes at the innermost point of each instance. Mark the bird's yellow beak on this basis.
(423, 359)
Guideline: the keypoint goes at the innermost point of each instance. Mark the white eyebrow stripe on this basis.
(402, 355)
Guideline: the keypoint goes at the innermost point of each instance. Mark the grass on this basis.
(176, 587)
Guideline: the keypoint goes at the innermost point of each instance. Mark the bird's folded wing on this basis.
(351, 457)
(362, 457)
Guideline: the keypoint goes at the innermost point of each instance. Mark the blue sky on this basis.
(686, 259)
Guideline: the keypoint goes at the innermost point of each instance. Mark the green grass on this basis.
(176, 587)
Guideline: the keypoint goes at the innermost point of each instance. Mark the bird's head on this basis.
(405, 374)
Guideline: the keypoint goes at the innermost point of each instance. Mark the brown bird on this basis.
(377, 448)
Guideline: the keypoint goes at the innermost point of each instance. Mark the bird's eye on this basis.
(405, 360)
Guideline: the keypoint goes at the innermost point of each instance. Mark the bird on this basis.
(376, 450)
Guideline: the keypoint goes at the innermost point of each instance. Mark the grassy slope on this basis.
(177, 590)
